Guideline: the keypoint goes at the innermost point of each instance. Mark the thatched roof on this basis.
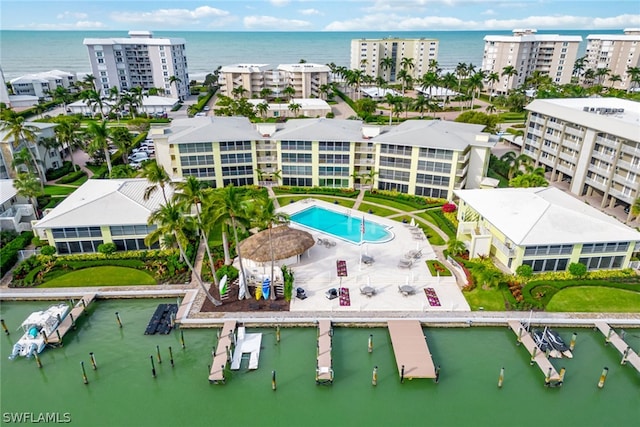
(287, 242)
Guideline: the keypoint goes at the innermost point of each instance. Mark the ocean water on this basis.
(23, 52)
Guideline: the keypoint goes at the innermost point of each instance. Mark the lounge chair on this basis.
(404, 263)
(406, 290)
(368, 291)
(329, 243)
(367, 259)
(321, 241)
(413, 254)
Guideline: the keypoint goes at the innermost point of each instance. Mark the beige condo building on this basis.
(591, 143)
(550, 54)
(305, 78)
(368, 55)
(615, 52)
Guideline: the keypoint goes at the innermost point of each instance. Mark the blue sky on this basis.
(325, 15)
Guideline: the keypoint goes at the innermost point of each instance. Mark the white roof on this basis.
(244, 68)
(137, 39)
(105, 202)
(534, 38)
(621, 123)
(7, 190)
(436, 91)
(43, 77)
(545, 216)
(434, 134)
(303, 102)
(147, 101)
(378, 92)
(305, 67)
(208, 128)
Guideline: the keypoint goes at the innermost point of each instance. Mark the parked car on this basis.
(206, 108)
(201, 114)
(149, 149)
(138, 157)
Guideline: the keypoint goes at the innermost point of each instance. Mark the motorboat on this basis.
(36, 327)
(549, 340)
(558, 343)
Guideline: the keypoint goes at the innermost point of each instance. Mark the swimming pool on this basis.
(342, 226)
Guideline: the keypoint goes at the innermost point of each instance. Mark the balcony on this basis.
(598, 184)
(629, 149)
(570, 144)
(17, 218)
(629, 198)
(267, 159)
(365, 162)
(624, 181)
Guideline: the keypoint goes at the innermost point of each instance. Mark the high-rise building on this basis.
(370, 56)
(306, 79)
(593, 144)
(140, 61)
(616, 53)
(551, 54)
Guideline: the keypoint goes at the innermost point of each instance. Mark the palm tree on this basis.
(461, 73)
(171, 219)
(387, 63)
(265, 93)
(238, 92)
(579, 66)
(634, 74)
(369, 177)
(492, 78)
(421, 103)
(429, 80)
(294, 108)
(393, 102)
(406, 63)
(613, 78)
(509, 71)
(190, 194)
(61, 95)
(67, 133)
(24, 158)
(262, 109)
(89, 82)
(289, 92)
(158, 177)
(601, 75)
(123, 139)
(456, 247)
(100, 140)
(137, 100)
(29, 186)
(228, 206)
(635, 208)
(475, 85)
(355, 176)
(92, 99)
(433, 66)
(270, 217)
(18, 129)
(174, 80)
(406, 78)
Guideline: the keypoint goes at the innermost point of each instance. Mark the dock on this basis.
(538, 356)
(628, 355)
(221, 356)
(411, 350)
(185, 305)
(324, 364)
(246, 344)
(69, 321)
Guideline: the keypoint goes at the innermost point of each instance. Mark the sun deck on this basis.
(612, 337)
(220, 357)
(69, 321)
(537, 355)
(246, 344)
(324, 366)
(411, 349)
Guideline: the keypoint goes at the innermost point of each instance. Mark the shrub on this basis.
(9, 252)
(449, 207)
(48, 250)
(524, 270)
(71, 177)
(53, 174)
(577, 269)
(107, 248)
(230, 271)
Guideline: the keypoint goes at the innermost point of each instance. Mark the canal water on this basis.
(122, 391)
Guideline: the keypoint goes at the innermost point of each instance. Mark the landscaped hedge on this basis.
(65, 169)
(329, 191)
(417, 202)
(443, 223)
(71, 177)
(437, 269)
(539, 292)
(9, 252)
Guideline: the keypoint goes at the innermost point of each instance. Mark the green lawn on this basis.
(78, 182)
(595, 299)
(489, 300)
(285, 200)
(390, 203)
(364, 207)
(101, 276)
(58, 190)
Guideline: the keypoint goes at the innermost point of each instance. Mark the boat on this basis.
(541, 340)
(36, 327)
(557, 343)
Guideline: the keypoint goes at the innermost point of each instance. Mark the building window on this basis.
(129, 230)
(235, 146)
(196, 147)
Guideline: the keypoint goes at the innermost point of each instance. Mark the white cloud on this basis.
(74, 15)
(79, 25)
(174, 17)
(279, 3)
(488, 12)
(310, 12)
(389, 22)
(273, 23)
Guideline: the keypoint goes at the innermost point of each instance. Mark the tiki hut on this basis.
(287, 243)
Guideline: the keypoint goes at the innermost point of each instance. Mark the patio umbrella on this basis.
(287, 242)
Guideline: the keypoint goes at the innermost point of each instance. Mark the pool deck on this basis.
(316, 271)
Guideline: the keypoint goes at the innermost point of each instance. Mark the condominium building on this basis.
(370, 56)
(615, 52)
(592, 143)
(46, 158)
(42, 84)
(139, 61)
(423, 157)
(544, 228)
(551, 54)
(305, 78)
